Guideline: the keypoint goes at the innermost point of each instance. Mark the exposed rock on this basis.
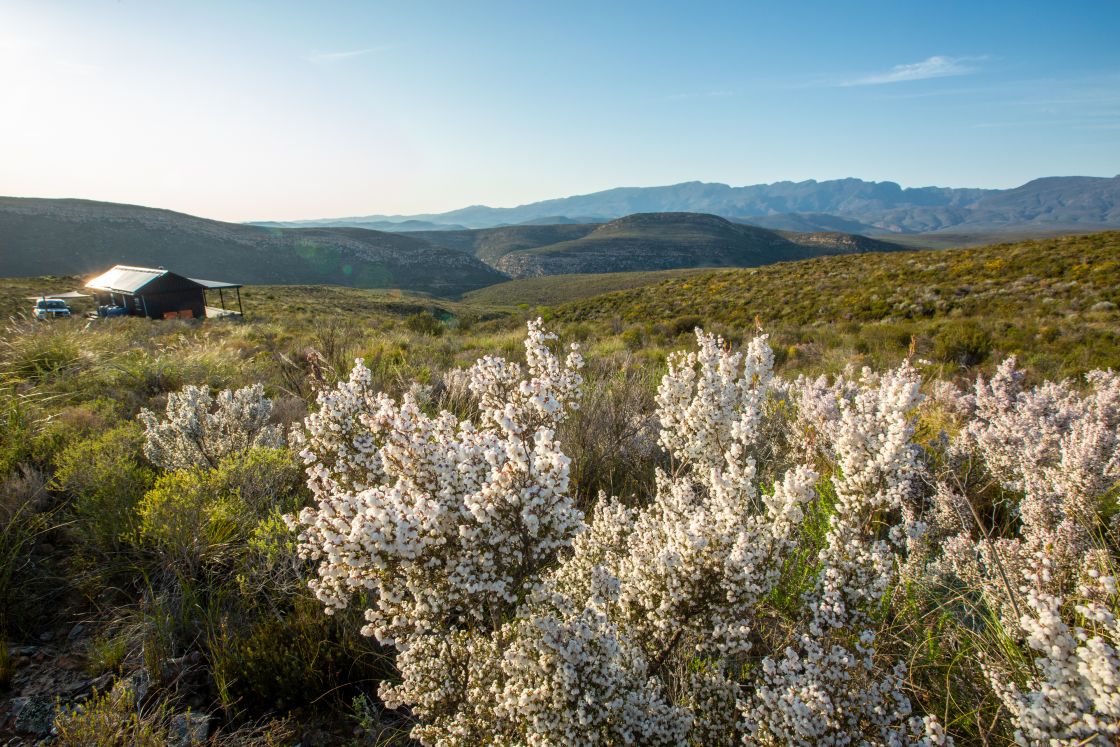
(81, 688)
(70, 662)
(188, 729)
(172, 669)
(34, 714)
(137, 682)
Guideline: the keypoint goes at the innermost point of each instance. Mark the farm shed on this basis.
(157, 293)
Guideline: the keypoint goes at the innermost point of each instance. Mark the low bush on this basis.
(111, 719)
(197, 516)
(425, 323)
(964, 343)
(281, 661)
(106, 476)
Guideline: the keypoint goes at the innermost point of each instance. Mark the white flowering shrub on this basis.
(440, 523)
(1052, 454)
(829, 688)
(751, 597)
(200, 430)
(1074, 696)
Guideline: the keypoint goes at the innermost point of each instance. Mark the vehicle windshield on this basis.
(50, 303)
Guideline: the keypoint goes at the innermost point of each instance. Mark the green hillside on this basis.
(81, 237)
(491, 244)
(550, 290)
(1053, 302)
(662, 241)
(1069, 274)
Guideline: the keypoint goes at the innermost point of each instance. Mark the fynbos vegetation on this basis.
(416, 525)
(765, 591)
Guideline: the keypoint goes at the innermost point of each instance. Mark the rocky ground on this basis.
(52, 674)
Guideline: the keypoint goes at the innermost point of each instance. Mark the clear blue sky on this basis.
(257, 110)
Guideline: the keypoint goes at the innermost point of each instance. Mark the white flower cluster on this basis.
(710, 402)
(1043, 462)
(870, 442)
(199, 430)
(440, 523)
(682, 577)
(547, 678)
(824, 690)
(710, 545)
(1074, 698)
(1055, 452)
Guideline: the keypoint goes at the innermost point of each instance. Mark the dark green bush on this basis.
(425, 323)
(633, 338)
(683, 325)
(964, 343)
(287, 659)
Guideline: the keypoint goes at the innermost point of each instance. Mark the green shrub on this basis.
(964, 343)
(106, 653)
(425, 323)
(280, 661)
(70, 424)
(25, 587)
(683, 325)
(111, 719)
(633, 338)
(106, 476)
(184, 519)
(16, 431)
(264, 478)
(193, 516)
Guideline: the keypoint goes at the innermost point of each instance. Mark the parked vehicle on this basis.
(111, 310)
(51, 308)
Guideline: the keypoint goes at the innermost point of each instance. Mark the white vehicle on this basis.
(51, 308)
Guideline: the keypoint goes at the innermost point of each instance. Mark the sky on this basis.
(277, 110)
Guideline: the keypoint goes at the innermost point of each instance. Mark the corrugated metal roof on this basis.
(125, 279)
(215, 284)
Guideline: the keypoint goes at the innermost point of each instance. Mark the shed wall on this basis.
(158, 304)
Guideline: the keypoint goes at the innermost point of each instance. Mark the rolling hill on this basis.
(391, 226)
(78, 237)
(663, 241)
(491, 244)
(1072, 203)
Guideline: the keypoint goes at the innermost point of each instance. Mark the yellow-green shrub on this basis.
(192, 516)
(111, 719)
(106, 476)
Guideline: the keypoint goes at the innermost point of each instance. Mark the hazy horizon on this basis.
(280, 111)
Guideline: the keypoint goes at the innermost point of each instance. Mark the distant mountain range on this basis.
(1076, 203)
(79, 237)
